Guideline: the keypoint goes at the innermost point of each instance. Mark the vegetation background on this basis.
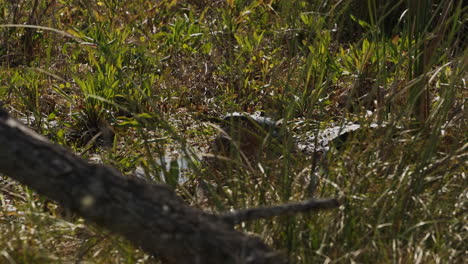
(125, 82)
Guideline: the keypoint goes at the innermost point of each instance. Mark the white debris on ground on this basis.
(30, 120)
(6, 201)
(175, 164)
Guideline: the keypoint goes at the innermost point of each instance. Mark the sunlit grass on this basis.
(128, 82)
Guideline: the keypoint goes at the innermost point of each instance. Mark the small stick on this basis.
(243, 215)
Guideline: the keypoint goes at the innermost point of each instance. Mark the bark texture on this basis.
(149, 215)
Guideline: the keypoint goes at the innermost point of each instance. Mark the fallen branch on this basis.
(149, 215)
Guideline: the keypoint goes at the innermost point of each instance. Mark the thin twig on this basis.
(284, 209)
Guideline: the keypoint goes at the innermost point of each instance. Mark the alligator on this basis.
(252, 134)
(256, 138)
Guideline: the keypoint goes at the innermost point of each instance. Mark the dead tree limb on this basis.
(149, 215)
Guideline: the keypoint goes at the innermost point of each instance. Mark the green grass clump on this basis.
(129, 82)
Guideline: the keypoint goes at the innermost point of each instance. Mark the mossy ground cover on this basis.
(131, 81)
